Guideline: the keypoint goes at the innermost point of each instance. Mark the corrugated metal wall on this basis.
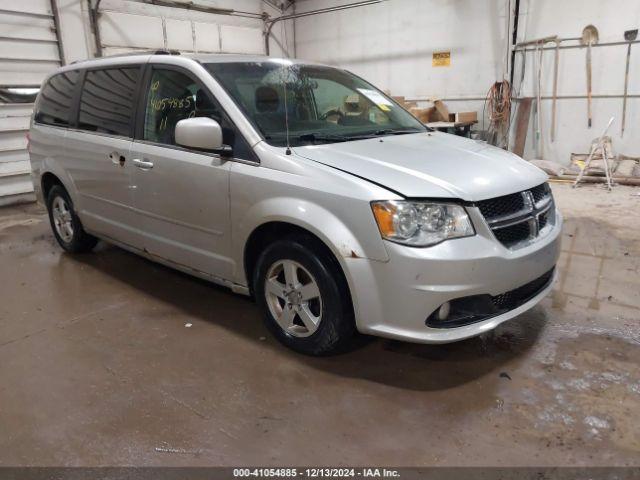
(28, 51)
(15, 180)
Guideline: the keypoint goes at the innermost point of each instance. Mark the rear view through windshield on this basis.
(323, 104)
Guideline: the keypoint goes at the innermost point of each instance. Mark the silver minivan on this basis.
(299, 184)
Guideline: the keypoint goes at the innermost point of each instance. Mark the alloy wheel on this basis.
(293, 298)
(62, 219)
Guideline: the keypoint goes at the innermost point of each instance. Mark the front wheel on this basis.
(304, 297)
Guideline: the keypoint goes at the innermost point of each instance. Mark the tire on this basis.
(317, 271)
(65, 224)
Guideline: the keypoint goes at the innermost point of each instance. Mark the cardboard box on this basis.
(443, 111)
(425, 115)
(406, 105)
(463, 117)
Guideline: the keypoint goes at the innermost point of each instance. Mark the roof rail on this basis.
(166, 52)
(132, 53)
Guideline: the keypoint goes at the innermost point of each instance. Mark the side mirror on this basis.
(201, 133)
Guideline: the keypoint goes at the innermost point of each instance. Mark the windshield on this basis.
(324, 104)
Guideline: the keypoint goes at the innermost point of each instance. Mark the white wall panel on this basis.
(28, 42)
(12, 141)
(179, 34)
(27, 51)
(111, 51)
(34, 7)
(15, 167)
(14, 159)
(75, 33)
(13, 133)
(14, 123)
(207, 37)
(15, 25)
(391, 43)
(126, 24)
(15, 185)
(127, 30)
(241, 39)
(16, 109)
(24, 72)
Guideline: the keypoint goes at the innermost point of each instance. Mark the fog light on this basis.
(443, 311)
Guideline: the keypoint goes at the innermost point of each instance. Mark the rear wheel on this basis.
(65, 223)
(304, 297)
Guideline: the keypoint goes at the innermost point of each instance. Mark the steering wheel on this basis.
(331, 112)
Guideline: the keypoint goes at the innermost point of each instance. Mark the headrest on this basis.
(202, 100)
(267, 99)
(353, 104)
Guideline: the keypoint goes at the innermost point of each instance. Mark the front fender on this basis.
(323, 223)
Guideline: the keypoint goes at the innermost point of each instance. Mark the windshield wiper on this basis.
(380, 133)
(313, 137)
(308, 138)
(321, 137)
(396, 131)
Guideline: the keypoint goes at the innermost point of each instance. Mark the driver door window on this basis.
(174, 96)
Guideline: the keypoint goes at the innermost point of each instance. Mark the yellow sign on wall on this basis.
(441, 59)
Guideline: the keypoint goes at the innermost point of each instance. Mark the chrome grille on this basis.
(518, 218)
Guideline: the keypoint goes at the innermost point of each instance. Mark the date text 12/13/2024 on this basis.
(315, 473)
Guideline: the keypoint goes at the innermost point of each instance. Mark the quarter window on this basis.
(54, 102)
(108, 99)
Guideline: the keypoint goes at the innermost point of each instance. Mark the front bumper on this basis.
(393, 299)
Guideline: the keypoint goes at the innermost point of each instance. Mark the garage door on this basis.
(126, 26)
(29, 50)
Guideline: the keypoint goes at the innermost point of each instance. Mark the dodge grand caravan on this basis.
(299, 184)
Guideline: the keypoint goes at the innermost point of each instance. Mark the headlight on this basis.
(421, 224)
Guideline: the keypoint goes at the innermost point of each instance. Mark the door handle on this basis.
(142, 164)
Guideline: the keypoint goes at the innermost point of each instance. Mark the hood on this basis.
(430, 164)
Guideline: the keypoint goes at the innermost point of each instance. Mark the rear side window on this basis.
(54, 103)
(107, 100)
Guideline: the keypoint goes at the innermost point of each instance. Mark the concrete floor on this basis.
(97, 366)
